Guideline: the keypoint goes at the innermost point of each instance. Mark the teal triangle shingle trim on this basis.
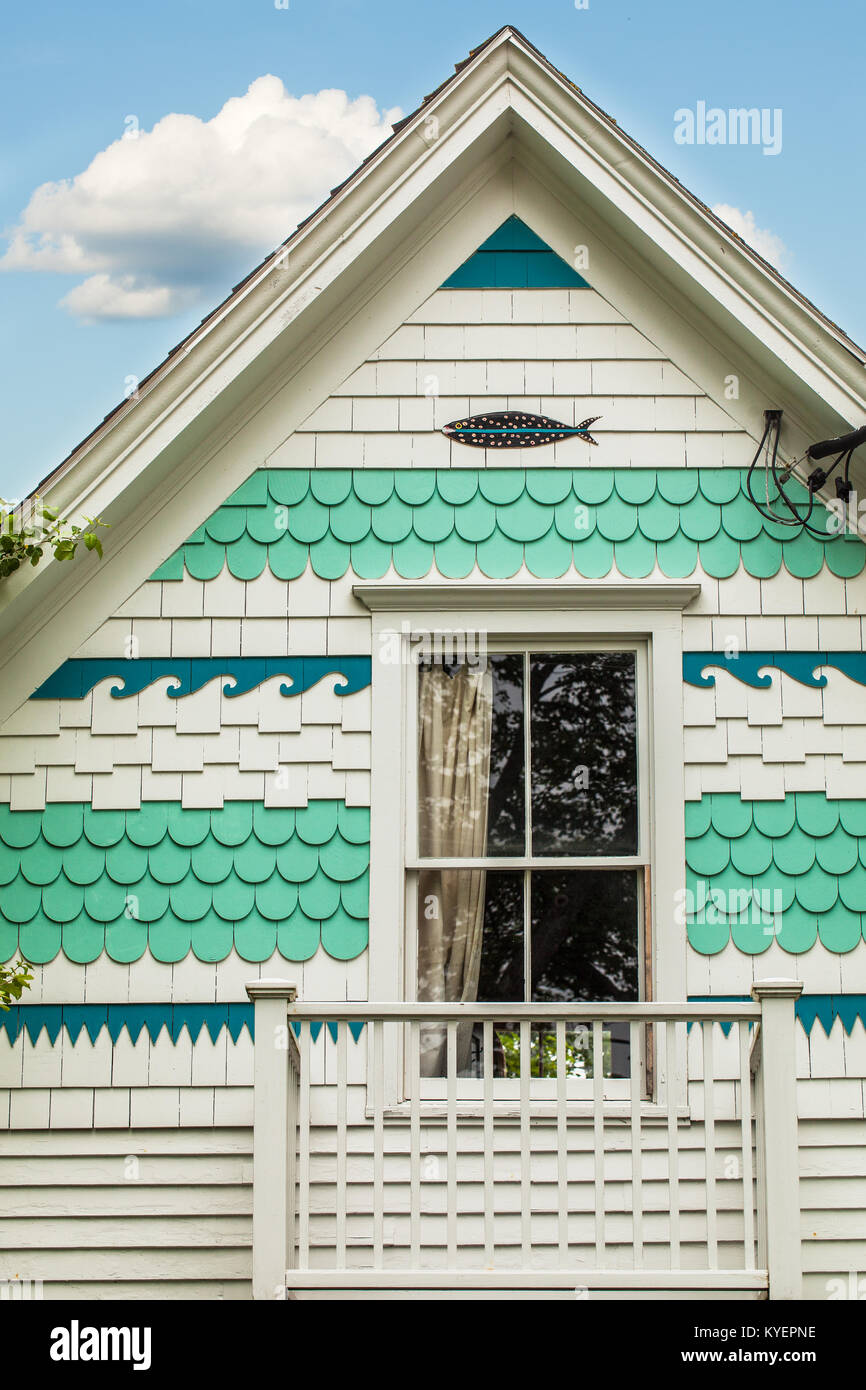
(826, 1008)
(153, 1018)
(812, 1006)
(356, 1029)
(194, 1017)
(33, 1018)
(134, 1017)
(514, 258)
(93, 1017)
(241, 1016)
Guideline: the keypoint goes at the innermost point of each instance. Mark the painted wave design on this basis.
(77, 677)
(750, 667)
(515, 429)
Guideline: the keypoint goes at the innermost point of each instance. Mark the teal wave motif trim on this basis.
(77, 676)
(792, 870)
(514, 258)
(825, 1008)
(748, 666)
(625, 520)
(34, 1018)
(171, 881)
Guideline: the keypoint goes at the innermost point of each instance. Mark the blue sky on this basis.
(140, 257)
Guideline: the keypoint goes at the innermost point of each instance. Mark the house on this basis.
(443, 850)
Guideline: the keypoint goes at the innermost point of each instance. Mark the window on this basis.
(531, 838)
(538, 873)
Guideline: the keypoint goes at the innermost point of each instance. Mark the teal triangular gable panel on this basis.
(514, 235)
(514, 258)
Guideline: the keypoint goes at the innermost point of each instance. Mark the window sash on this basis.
(528, 647)
(644, 990)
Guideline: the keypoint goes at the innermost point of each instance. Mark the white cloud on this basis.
(765, 242)
(160, 216)
(122, 297)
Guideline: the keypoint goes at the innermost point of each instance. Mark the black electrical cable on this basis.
(770, 439)
(843, 447)
(845, 444)
(797, 520)
(773, 422)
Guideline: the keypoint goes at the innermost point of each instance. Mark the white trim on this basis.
(390, 763)
(418, 596)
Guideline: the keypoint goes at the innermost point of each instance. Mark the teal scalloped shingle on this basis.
(793, 869)
(169, 881)
(500, 518)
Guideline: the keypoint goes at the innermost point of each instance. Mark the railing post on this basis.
(273, 1130)
(781, 1153)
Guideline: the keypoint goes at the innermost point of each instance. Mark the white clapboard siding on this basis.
(832, 1199)
(187, 1197)
(160, 1213)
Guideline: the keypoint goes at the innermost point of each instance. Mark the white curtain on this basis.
(455, 720)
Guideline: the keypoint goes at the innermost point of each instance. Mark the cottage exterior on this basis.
(412, 759)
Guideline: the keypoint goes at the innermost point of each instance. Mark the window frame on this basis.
(529, 863)
(583, 614)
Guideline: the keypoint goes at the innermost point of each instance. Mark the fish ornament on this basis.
(514, 429)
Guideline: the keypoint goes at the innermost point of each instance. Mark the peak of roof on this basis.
(506, 33)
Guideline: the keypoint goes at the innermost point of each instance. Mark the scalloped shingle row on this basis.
(170, 881)
(803, 858)
(598, 519)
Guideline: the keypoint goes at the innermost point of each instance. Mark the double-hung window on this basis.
(528, 869)
(527, 840)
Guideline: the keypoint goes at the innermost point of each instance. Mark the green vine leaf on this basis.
(14, 979)
(27, 537)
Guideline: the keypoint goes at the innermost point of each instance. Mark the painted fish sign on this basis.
(514, 429)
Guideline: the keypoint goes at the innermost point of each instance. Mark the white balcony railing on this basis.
(562, 1147)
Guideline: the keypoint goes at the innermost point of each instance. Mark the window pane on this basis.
(584, 941)
(506, 832)
(471, 759)
(470, 935)
(502, 955)
(470, 947)
(584, 754)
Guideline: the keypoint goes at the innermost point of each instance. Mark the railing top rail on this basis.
(574, 1012)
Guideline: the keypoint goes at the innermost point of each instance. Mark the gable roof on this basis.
(185, 344)
(148, 467)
